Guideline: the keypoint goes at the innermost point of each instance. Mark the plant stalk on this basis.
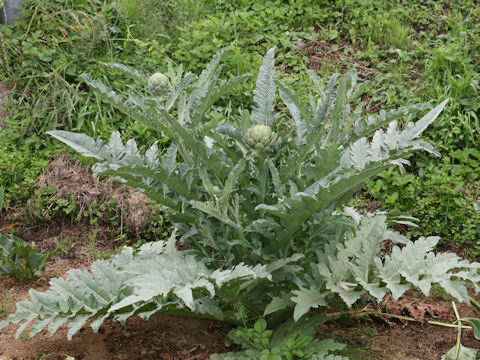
(360, 313)
(458, 345)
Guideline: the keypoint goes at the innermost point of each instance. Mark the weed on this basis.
(63, 245)
(24, 336)
(441, 294)
(21, 260)
(19, 171)
(168, 16)
(389, 31)
(6, 305)
(90, 241)
(441, 195)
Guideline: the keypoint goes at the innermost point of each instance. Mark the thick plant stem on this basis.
(459, 332)
(474, 302)
(360, 314)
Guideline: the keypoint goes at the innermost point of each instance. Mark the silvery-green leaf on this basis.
(264, 93)
(461, 353)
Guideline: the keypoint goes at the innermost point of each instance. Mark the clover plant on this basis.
(259, 201)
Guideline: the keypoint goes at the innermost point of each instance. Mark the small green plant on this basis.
(19, 171)
(389, 31)
(63, 245)
(21, 260)
(291, 341)
(90, 241)
(6, 305)
(45, 205)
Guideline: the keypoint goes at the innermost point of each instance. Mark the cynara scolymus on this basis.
(261, 209)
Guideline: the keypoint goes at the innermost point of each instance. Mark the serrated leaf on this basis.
(229, 130)
(81, 143)
(210, 209)
(233, 178)
(415, 129)
(300, 113)
(277, 304)
(305, 299)
(169, 160)
(279, 187)
(134, 74)
(131, 106)
(129, 279)
(76, 324)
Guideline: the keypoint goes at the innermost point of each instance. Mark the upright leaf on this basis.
(264, 93)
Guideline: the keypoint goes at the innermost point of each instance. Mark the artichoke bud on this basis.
(158, 84)
(260, 137)
(216, 190)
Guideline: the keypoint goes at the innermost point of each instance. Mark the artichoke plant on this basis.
(234, 208)
(260, 137)
(266, 233)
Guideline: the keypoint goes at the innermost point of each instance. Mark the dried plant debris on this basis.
(70, 179)
(417, 309)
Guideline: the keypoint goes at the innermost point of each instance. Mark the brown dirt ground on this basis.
(384, 339)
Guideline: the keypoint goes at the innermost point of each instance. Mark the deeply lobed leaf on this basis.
(354, 267)
(153, 279)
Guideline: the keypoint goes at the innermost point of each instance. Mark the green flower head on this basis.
(158, 83)
(260, 137)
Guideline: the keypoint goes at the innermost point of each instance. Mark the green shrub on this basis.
(19, 171)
